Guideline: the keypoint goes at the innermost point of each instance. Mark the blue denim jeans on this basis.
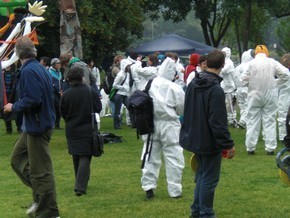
(119, 100)
(207, 178)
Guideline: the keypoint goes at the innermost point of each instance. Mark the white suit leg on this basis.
(174, 164)
(269, 123)
(283, 104)
(150, 172)
(231, 112)
(242, 102)
(254, 114)
(104, 101)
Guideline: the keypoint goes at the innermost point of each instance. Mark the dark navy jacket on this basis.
(35, 93)
(205, 129)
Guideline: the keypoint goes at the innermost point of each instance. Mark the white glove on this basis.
(37, 8)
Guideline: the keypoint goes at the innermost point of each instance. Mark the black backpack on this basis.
(141, 108)
(107, 82)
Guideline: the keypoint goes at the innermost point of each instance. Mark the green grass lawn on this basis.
(249, 185)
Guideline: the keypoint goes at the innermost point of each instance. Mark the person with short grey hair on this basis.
(57, 84)
(77, 104)
(31, 159)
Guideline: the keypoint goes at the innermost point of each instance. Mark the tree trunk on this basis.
(70, 31)
(248, 20)
(238, 37)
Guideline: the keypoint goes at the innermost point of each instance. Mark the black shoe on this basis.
(118, 127)
(177, 197)
(79, 193)
(251, 152)
(149, 194)
(270, 153)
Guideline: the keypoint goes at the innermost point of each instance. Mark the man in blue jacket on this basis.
(31, 158)
(205, 132)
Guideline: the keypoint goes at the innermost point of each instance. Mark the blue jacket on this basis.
(35, 93)
(205, 130)
(56, 80)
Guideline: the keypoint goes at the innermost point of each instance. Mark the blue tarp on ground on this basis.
(173, 43)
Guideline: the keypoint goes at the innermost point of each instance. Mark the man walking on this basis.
(31, 157)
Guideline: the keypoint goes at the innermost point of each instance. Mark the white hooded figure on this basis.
(121, 83)
(228, 85)
(135, 79)
(168, 102)
(263, 98)
(147, 73)
(283, 104)
(179, 70)
(242, 91)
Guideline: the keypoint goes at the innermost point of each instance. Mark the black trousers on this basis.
(82, 172)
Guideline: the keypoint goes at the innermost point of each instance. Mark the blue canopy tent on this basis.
(173, 43)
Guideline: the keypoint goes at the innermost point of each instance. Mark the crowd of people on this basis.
(194, 106)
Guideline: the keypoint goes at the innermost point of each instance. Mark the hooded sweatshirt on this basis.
(205, 129)
(193, 62)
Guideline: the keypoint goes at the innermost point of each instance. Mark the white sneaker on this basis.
(32, 209)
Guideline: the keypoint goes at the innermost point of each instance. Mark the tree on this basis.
(107, 27)
(283, 32)
(216, 16)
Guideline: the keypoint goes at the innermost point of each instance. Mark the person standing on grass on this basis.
(205, 132)
(76, 105)
(262, 106)
(284, 99)
(31, 159)
(168, 102)
(54, 70)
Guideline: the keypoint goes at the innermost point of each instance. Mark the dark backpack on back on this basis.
(141, 108)
(107, 82)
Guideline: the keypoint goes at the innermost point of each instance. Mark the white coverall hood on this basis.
(168, 69)
(124, 63)
(228, 52)
(246, 56)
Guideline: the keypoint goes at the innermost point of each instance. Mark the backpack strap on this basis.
(148, 85)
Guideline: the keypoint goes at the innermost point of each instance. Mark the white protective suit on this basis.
(145, 74)
(180, 71)
(242, 91)
(168, 100)
(134, 65)
(283, 104)
(228, 85)
(263, 99)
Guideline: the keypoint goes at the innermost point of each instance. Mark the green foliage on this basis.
(283, 32)
(249, 185)
(107, 27)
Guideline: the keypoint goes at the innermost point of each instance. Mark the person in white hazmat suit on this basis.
(263, 98)
(135, 60)
(148, 72)
(168, 102)
(242, 91)
(284, 100)
(228, 85)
